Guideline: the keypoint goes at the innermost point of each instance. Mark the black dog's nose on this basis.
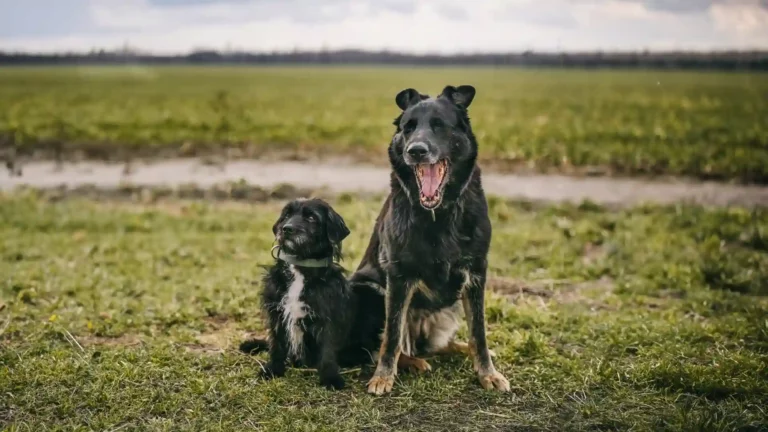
(417, 150)
(287, 229)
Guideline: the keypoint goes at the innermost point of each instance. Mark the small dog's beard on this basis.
(294, 245)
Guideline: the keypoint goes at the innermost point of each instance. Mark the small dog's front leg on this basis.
(278, 353)
(474, 309)
(398, 298)
(329, 367)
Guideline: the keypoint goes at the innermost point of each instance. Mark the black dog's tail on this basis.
(254, 346)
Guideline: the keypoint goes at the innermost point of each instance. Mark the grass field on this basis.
(706, 125)
(126, 316)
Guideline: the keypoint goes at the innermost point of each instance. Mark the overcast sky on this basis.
(444, 26)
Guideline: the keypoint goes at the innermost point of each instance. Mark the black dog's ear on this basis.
(408, 97)
(461, 96)
(335, 227)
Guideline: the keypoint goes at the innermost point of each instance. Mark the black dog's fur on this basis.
(322, 313)
(431, 257)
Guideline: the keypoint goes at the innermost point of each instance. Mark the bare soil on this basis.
(343, 176)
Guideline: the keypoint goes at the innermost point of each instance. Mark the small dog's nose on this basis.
(287, 229)
(417, 150)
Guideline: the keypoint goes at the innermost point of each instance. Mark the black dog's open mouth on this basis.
(431, 179)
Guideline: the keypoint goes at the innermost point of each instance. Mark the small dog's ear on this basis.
(408, 97)
(461, 96)
(335, 227)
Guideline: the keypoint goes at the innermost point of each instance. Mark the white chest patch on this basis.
(293, 311)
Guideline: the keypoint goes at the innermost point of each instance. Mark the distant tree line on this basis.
(722, 60)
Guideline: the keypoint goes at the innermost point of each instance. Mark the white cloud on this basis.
(744, 20)
(445, 26)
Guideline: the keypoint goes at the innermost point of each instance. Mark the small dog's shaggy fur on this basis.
(314, 317)
(429, 247)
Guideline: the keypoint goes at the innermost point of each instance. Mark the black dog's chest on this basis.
(430, 249)
(439, 288)
(434, 255)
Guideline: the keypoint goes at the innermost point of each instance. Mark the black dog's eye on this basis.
(410, 126)
(436, 123)
(311, 218)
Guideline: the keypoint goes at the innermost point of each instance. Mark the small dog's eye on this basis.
(311, 218)
(436, 123)
(409, 127)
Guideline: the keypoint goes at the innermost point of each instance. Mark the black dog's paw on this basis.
(272, 371)
(332, 382)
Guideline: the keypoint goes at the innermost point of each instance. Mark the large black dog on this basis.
(430, 242)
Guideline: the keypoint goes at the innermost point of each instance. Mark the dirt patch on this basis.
(127, 340)
(513, 287)
(589, 294)
(218, 154)
(261, 179)
(221, 334)
(231, 191)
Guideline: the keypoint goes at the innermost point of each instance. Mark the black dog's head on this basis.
(310, 228)
(433, 151)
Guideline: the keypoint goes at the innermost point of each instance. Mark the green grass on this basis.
(707, 125)
(127, 316)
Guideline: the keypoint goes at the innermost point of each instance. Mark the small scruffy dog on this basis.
(307, 300)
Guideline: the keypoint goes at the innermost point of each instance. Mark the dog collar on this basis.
(309, 262)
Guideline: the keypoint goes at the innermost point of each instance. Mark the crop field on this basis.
(704, 125)
(126, 315)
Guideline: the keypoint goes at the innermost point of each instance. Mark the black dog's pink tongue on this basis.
(430, 180)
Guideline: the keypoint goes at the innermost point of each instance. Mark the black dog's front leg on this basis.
(474, 309)
(329, 367)
(398, 298)
(278, 352)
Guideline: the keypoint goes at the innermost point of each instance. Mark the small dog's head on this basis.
(433, 150)
(309, 229)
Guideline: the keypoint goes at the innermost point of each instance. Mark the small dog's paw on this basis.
(420, 365)
(270, 371)
(332, 382)
(494, 380)
(379, 385)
